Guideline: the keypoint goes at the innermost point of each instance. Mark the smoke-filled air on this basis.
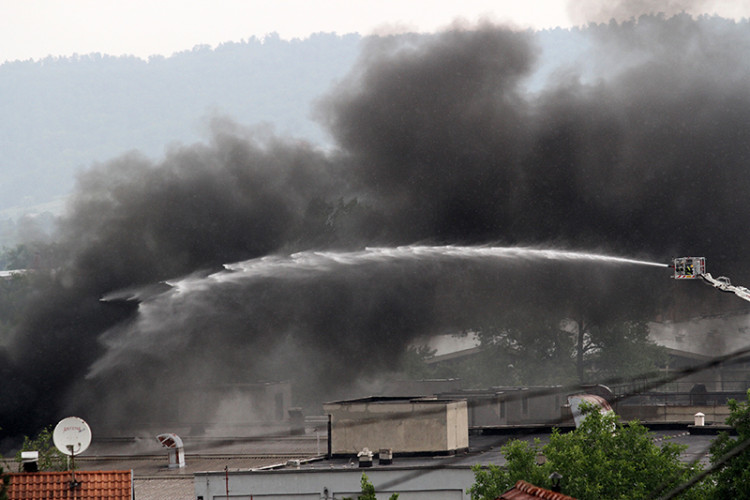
(466, 184)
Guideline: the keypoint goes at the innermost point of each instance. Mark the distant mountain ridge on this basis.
(64, 114)
(61, 115)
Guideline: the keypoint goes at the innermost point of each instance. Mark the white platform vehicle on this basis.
(691, 268)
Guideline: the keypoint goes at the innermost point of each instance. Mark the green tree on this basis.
(624, 350)
(730, 456)
(601, 459)
(368, 490)
(50, 458)
(525, 349)
(414, 365)
(549, 347)
(36, 255)
(607, 315)
(4, 483)
(492, 481)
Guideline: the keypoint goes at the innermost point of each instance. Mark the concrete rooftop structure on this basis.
(281, 457)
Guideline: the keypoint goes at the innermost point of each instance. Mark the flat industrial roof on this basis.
(153, 479)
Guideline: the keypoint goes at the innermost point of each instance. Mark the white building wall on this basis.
(404, 426)
(335, 484)
(457, 418)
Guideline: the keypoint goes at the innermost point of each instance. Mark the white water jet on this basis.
(307, 262)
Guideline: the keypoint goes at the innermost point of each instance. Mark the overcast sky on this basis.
(34, 29)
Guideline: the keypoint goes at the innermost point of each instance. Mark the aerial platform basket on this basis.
(688, 268)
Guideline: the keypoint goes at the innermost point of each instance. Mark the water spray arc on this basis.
(372, 294)
(321, 261)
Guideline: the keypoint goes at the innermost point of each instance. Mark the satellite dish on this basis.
(72, 436)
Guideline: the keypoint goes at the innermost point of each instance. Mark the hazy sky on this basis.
(33, 29)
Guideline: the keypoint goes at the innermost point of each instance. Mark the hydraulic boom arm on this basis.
(723, 284)
(690, 268)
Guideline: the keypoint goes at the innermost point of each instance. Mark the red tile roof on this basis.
(527, 491)
(99, 485)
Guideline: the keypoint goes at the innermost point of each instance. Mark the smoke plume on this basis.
(440, 139)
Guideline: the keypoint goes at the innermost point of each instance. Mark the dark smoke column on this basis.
(133, 223)
(439, 141)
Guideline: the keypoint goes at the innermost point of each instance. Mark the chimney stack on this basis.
(30, 461)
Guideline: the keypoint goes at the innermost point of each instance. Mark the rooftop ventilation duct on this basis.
(576, 400)
(365, 458)
(176, 449)
(385, 456)
(30, 461)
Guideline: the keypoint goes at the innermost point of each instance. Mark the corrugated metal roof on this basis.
(527, 491)
(93, 485)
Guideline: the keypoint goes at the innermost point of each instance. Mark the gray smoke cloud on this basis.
(642, 152)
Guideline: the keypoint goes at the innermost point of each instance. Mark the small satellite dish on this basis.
(72, 436)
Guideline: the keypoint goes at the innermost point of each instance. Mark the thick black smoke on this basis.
(647, 157)
(641, 152)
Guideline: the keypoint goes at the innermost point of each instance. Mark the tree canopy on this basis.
(368, 490)
(603, 458)
(730, 456)
(50, 459)
(4, 482)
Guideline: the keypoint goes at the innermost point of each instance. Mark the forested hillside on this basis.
(63, 114)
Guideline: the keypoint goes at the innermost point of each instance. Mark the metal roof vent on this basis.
(385, 456)
(30, 461)
(575, 401)
(365, 458)
(176, 449)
